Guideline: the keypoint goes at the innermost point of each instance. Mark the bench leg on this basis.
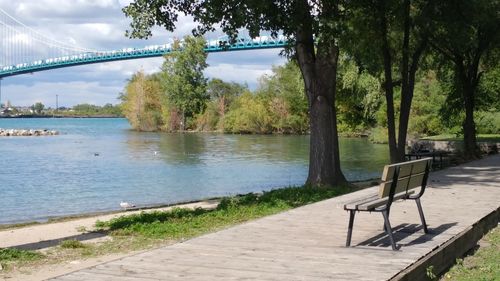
(349, 229)
(384, 228)
(389, 229)
(421, 213)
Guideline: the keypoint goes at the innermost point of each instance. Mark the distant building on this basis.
(24, 109)
(6, 111)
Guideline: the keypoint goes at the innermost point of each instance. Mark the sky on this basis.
(101, 25)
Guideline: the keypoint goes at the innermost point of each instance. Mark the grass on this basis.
(151, 229)
(186, 223)
(452, 137)
(484, 264)
(72, 244)
(9, 256)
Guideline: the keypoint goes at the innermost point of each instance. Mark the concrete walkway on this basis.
(307, 243)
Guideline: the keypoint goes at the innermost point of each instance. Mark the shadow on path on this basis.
(55, 242)
(405, 230)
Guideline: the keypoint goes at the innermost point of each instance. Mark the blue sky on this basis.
(100, 25)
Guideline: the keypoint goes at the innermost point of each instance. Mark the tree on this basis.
(223, 94)
(387, 36)
(312, 25)
(465, 33)
(359, 96)
(38, 107)
(142, 102)
(91, 109)
(248, 114)
(183, 78)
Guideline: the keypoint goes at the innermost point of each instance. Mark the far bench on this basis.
(399, 181)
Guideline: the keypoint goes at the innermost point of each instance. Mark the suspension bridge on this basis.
(25, 50)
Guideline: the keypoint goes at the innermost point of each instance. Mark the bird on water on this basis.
(126, 205)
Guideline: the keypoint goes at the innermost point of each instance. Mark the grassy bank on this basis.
(186, 223)
(451, 137)
(484, 264)
(150, 229)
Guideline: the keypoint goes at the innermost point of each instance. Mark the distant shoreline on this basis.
(59, 116)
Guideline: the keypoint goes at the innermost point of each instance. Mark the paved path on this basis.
(307, 243)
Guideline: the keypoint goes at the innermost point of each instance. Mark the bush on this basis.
(248, 115)
(379, 135)
(488, 122)
(12, 254)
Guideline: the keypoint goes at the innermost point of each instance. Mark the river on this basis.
(94, 164)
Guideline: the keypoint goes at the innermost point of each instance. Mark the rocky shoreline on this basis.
(30, 132)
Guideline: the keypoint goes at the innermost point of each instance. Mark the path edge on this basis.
(444, 256)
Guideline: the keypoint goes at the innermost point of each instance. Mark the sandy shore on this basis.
(46, 235)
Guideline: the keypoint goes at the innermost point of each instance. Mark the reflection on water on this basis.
(96, 163)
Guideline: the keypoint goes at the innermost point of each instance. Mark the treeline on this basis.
(86, 109)
(154, 102)
(181, 98)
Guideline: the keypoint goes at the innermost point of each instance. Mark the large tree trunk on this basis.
(397, 149)
(469, 78)
(407, 90)
(319, 72)
(388, 86)
(469, 127)
(324, 160)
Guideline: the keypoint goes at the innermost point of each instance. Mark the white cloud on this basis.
(245, 74)
(101, 25)
(70, 93)
(129, 67)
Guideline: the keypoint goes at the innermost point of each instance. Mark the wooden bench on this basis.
(406, 180)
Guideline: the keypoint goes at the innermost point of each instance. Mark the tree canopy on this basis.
(184, 81)
(465, 33)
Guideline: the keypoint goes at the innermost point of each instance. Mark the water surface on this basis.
(96, 163)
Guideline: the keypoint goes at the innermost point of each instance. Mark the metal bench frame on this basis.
(385, 209)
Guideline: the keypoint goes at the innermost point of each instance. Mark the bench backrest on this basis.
(404, 176)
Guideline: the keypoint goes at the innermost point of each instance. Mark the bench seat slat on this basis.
(369, 206)
(372, 202)
(353, 205)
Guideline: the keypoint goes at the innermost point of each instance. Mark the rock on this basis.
(31, 132)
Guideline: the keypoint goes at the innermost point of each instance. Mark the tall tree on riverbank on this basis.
(141, 102)
(183, 79)
(466, 33)
(314, 27)
(387, 37)
(223, 94)
(283, 91)
(37, 107)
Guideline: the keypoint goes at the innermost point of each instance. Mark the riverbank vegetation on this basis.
(38, 110)
(278, 105)
(90, 110)
(483, 264)
(150, 229)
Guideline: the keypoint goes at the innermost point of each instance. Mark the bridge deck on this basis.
(308, 243)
